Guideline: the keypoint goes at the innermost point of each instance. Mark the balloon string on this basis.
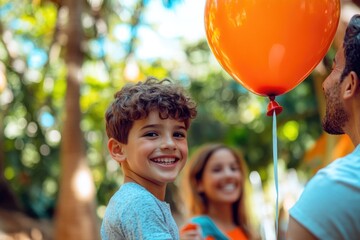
(275, 172)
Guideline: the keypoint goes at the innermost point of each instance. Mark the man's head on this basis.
(351, 47)
(346, 65)
(135, 101)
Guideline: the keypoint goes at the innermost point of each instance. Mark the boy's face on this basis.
(156, 150)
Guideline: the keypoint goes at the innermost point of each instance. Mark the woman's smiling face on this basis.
(222, 179)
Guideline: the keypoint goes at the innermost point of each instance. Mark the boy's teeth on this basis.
(164, 160)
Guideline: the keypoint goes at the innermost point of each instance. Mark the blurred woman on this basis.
(214, 183)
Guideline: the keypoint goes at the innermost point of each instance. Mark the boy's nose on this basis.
(168, 143)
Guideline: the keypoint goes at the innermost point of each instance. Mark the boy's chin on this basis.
(168, 178)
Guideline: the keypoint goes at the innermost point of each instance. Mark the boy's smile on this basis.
(156, 151)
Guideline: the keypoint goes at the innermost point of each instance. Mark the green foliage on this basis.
(229, 113)
(32, 114)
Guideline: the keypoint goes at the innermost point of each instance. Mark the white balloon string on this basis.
(275, 172)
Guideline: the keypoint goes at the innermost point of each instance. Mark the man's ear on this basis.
(116, 150)
(351, 85)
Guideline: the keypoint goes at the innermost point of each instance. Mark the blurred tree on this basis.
(229, 113)
(43, 45)
(60, 64)
(75, 214)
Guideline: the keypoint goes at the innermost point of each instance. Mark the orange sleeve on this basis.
(237, 234)
(189, 226)
(193, 226)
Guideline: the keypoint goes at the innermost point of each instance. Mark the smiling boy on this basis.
(147, 127)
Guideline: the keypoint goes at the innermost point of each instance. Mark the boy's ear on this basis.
(351, 85)
(116, 150)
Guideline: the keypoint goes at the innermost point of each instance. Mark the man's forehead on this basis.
(339, 57)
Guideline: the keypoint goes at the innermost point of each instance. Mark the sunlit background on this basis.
(57, 79)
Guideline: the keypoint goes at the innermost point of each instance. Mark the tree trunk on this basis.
(8, 199)
(75, 216)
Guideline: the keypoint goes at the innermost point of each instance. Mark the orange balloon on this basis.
(270, 46)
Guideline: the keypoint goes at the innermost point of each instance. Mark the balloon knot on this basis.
(273, 106)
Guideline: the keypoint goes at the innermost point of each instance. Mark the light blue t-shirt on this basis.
(133, 213)
(329, 207)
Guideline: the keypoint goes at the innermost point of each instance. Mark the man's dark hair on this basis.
(352, 47)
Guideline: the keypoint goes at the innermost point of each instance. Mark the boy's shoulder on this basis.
(133, 189)
(133, 213)
(132, 195)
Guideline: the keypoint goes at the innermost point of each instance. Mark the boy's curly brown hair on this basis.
(135, 101)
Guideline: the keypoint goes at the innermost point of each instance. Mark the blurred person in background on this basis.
(215, 180)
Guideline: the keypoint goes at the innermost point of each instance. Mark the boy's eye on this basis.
(179, 134)
(150, 134)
